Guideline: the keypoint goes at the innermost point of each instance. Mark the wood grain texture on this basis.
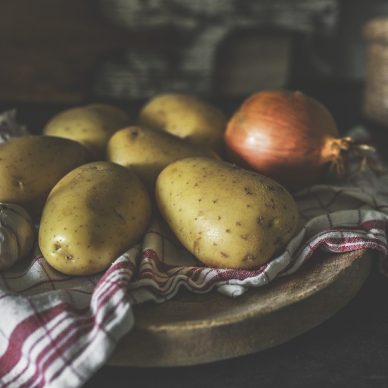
(194, 329)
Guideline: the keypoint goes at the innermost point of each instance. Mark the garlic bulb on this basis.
(9, 127)
(16, 234)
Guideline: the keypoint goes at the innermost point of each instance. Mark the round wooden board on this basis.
(193, 329)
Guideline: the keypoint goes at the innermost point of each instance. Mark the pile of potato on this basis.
(94, 177)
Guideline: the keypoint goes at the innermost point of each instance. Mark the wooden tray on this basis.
(194, 329)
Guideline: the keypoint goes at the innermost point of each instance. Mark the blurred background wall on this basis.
(68, 51)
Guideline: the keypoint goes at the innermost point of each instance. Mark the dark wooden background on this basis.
(51, 51)
(48, 49)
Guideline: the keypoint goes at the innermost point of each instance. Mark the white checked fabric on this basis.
(58, 330)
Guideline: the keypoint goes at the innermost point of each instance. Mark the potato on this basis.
(186, 117)
(226, 216)
(30, 167)
(92, 216)
(90, 125)
(147, 152)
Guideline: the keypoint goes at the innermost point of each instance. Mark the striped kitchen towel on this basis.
(58, 330)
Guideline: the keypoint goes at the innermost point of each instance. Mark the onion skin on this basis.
(285, 135)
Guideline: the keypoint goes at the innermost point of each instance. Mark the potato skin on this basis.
(90, 125)
(147, 152)
(187, 117)
(30, 166)
(94, 214)
(226, 216)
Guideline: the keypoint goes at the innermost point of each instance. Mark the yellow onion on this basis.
(287, 136)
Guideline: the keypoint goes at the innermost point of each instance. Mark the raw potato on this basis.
(90, 125)
(17, 234)
(147, 152)
(225, 216)
(186, 117)
(30, 167)
(92, 216)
